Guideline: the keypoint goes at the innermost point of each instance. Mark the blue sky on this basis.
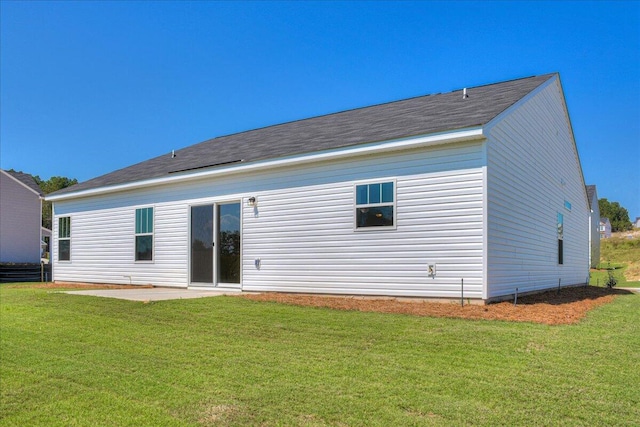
(91, 87)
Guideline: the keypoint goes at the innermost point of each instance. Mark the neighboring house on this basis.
(20, 218)
(636, 223)
(406, 198)
(605, 228)
(594, 226)
(46, 242)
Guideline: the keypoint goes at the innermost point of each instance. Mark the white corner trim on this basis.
(467, 134)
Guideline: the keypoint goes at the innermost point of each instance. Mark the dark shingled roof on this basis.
(27, 180)
(400, 119)
(591, 191)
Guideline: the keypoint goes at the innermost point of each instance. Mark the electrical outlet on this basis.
(432, 270)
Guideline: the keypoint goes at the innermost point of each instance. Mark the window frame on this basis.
(392, 204)
(64, 238)
(139, 232)
(560, 235)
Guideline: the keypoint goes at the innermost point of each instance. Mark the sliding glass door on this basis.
(215, 244)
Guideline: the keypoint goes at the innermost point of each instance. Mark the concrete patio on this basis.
(153, 294)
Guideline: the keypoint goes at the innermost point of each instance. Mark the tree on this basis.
(618, 216)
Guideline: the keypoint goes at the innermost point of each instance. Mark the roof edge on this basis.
(22, 183)
(552, 78)
(447, 137)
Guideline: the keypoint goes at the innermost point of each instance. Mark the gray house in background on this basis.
(409, 198)
(605, 228)
(20, 218)
(594, 226)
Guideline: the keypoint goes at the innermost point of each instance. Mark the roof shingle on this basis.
(400, 119)
(27, 180)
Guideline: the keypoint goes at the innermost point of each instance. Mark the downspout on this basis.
(590, 235)
(51, 240)
(40, 232)
(485, 222)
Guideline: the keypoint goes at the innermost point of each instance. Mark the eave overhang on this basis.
(467, 134)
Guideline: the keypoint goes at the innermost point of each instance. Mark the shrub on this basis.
(611, 280)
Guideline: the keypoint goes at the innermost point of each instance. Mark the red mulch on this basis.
(551, 308)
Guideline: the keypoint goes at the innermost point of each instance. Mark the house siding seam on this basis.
(531, 172)
(302, 229)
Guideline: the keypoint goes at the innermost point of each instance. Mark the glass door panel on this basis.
(202, 244)
(228, 225)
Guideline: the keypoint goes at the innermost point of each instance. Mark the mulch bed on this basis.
(551, 308)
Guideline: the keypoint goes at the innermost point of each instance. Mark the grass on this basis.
(622, 255)
(70, 360)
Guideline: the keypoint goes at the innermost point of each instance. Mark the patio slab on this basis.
(152, 294)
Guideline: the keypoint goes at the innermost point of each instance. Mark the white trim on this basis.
(216, 250)
(190, 282)
(152, 234)
(58, 239)
(215, 205)
(394, 204)
(485, 228)
(362, 149)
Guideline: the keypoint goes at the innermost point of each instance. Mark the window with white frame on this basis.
(375, 205)
(560, 238)
(144, 234)
(64, 238)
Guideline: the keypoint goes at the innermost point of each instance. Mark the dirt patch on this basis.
(551, 308)
(72, 285)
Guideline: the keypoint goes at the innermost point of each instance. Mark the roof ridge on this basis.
(400, 118)
(380, 104)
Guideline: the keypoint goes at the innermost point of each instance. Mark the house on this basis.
(605, 228)
(20, 218)
(636, 223)
(45, 243)
(477, 192)
(594, 226)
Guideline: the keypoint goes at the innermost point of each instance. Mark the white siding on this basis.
(303, 228)
(20, 211)
(532, 169)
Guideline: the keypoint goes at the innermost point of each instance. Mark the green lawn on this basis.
(69, 360)
(622, 255)
(600, 276)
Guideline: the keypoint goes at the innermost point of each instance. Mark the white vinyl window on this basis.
(375, 205)
(560, 238)
(144, 234)
(64, 238)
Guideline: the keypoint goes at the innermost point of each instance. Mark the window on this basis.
(144, 234)
(567, 205)
(560, 238)
(560, 252)
(64, 238)
(375, 205)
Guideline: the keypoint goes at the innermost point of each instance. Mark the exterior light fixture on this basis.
(252, 201)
